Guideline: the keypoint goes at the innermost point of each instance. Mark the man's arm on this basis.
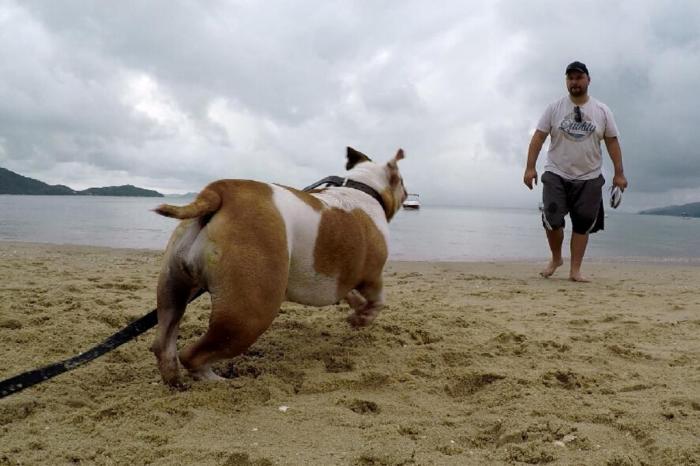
(533, 152)
(615, 152)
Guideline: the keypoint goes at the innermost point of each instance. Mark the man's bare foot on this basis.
(577, 277)
(551, 267)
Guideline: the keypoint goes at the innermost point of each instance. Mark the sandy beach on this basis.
(470, 363)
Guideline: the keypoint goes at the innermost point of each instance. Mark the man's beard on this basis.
(578, 92)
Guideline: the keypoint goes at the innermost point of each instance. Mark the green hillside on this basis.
(125, 190)
(14, 183)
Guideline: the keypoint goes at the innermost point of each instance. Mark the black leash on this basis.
(27, 379)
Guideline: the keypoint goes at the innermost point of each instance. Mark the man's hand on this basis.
(531, 174)
(620, 181)
(615, 152)
(533, 151)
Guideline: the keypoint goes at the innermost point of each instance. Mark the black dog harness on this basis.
(341, 182)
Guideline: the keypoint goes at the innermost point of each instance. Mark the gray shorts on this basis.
(581, 199)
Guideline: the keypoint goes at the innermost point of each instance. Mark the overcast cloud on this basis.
(171, 95)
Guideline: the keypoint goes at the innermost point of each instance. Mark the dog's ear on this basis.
(399, 156)
(355, 157)
(393, 168)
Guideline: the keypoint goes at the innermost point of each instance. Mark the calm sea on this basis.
(431, 233)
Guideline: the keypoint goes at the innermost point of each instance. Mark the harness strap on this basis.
(338, 181)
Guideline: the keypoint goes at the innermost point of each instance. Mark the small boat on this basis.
(412, 202)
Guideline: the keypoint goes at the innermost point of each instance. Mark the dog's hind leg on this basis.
(173, 294)
(239, 315)
(233, 327)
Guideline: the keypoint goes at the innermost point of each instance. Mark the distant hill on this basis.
(685, 210)
(14, 183)
(125, 190)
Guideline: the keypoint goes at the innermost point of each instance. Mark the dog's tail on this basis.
(207, 202)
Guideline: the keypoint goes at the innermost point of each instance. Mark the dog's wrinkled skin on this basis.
(254, 245)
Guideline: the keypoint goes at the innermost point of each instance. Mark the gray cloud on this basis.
(171, 95)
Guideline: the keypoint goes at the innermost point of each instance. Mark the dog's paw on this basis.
(176, 384)
(356, 300)
(171, 378)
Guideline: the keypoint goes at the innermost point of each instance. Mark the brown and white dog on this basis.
(254, 245)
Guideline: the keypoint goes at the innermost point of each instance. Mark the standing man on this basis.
(572, 180)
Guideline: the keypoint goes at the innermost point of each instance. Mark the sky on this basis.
(171, 95)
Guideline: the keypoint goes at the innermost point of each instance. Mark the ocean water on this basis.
(429, 234)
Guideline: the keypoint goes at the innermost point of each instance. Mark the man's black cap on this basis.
(577, 66)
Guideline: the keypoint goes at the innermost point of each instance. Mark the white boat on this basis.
(412, 202)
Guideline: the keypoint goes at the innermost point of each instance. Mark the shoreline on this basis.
(690, 261)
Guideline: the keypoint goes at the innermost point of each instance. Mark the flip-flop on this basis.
(615, 197)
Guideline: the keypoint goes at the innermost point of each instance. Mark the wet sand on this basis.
(470, 363)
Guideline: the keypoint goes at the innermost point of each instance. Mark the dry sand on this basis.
(470, 363)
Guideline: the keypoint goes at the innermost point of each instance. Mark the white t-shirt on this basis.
(574, 150)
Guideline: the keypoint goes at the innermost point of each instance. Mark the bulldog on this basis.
(253, 245)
